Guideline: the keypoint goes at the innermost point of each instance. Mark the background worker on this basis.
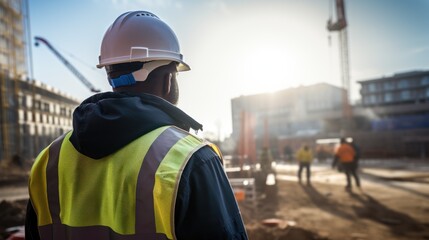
(357, 155)
(345, 155)
(130, 169)
(304, 156)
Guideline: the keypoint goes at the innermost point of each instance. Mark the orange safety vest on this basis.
(345, 153)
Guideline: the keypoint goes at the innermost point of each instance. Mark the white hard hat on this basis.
(140, 36)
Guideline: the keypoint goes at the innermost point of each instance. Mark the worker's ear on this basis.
(167, 83)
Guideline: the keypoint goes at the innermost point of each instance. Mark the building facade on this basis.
(286, 114)
(398, 102)
(397, 111)
(392, 120)
(290, 112)
(31, 113)
(401, 88)
(33, 116)
(13, 36)
(43, 114)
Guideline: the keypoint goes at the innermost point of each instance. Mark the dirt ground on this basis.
(391, 205)
(12, 214)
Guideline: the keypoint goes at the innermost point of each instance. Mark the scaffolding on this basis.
(12, 68)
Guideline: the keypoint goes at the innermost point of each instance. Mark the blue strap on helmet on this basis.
(123, 80)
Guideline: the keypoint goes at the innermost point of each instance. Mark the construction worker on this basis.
(345, 154)
(304, 156)
(357, 154)
(130, 169)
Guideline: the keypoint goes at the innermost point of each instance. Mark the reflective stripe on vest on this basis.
(76, 197)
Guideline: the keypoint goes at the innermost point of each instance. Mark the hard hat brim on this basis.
(182, 66)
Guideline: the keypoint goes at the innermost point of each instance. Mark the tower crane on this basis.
(67, 63)
(340, 26)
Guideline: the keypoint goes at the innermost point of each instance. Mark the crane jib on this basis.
(67, 64)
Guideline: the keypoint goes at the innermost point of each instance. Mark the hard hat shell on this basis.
(140, 36)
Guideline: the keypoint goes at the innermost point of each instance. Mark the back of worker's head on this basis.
(343, 140)
(161, 81)
(139, 47)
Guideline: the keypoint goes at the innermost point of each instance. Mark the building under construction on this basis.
(392, 121)
(31, 113)
(396, 111)
(292, 113)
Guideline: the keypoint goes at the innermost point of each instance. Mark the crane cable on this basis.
(330, 10)
(92, 67)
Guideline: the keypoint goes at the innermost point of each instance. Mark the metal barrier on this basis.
(244, 190)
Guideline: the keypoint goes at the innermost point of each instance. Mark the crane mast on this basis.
(67, 63)
(340, 26)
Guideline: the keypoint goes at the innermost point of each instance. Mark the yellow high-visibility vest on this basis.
(304, 156)
(129, 194)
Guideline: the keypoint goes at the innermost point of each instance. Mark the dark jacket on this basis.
(106, 122)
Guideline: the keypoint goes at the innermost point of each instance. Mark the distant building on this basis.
(289, 113)
(43, 115)
(13, 35)
(397, 111)
(392, 120)
(32, 116)
(397, 102)
(401, 88)
(31, 113)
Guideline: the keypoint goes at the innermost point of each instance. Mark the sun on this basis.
(267, 70)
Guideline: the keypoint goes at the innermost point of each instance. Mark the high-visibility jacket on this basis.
(129, 194)
(304, 156)
(345, 153)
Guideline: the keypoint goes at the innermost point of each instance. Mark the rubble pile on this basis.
(12, 214)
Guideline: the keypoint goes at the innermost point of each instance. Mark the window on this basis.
(389, 86)
(37, 104)
(388, 97)
(21, 101)
(425, 80)
(372, 87)
(46, 107)
(403, 83)
(405, 95)
(63, 111)
(24, 101)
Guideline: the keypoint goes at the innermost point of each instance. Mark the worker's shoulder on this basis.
(204, 157)
(203, 164)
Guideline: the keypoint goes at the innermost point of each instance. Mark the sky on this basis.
(238, 47)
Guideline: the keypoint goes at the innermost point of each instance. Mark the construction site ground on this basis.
(392, 204)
